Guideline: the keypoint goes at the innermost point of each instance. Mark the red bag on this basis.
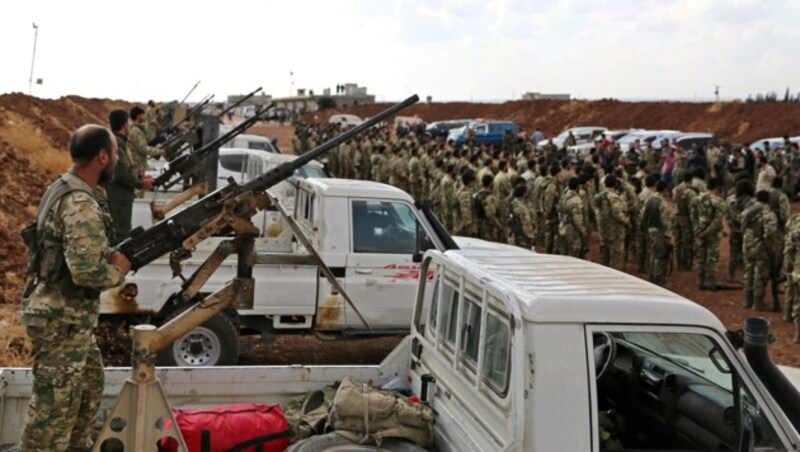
(239, 427)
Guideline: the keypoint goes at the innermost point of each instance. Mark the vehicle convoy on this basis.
(515, 350)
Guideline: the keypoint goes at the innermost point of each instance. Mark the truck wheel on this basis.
(214, 343)
(333, 442)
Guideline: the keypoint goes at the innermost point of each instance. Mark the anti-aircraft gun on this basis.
(141, 415)
(185, 167)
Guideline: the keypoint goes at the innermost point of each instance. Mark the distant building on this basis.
(306, 100)
(259, 99)
(537, 96)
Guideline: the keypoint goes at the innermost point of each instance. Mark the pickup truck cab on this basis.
(489, 132)
(521, 351)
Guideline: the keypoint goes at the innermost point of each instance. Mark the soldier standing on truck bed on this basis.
(68, 265)
(137, 143)
(121, 190)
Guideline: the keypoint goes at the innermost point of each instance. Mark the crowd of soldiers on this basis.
(646, 204)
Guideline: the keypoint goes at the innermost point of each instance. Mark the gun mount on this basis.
(142, 408)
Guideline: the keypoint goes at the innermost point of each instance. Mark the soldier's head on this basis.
(449, 168)
(713, 184)
(762, 196)
(744, 187)
(468, 178)
(555, 169)
(699, 173)
(650, 180)
(502, 165)
(795, 148)
(762, 160)
(118, 121)
(573, 183)
(487, 181)
(661, 185)
(520, 191)
(777, 182)
(94, 153)
(610, 182)
(137, 115)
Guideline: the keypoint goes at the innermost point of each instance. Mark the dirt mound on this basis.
(731, 121)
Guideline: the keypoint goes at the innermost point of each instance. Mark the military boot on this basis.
(748, 299)
(797, 330)
(759, 305)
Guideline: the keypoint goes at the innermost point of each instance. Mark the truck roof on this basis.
(552, 288)
(357, 188)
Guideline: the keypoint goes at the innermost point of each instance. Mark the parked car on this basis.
(440, 129)
(610, 135)
(688, 140)
(255, 142)
(774, 143)
(582, 135)
(647, 136)
(346, 120)
(489, 132)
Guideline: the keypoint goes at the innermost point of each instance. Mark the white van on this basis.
(346, 120)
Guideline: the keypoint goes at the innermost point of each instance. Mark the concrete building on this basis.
(537, 96)
(308, 100)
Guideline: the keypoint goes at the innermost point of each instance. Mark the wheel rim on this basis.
(199, 347)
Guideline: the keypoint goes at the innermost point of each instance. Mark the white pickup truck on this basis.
(518, 351)
(367, 233)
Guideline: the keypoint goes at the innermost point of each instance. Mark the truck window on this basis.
(471, 332)
(232, 163)
(494, 128)
(496, 362)
(383, 227)
(665, 390)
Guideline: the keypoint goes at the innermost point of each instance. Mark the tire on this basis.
(333, 442)
(214, 343)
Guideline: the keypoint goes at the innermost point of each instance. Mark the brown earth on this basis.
(34, 134)
(731, 121)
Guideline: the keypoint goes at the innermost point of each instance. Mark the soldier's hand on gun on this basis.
(148, 183)
(121, 261)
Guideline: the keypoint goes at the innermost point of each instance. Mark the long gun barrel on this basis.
(171, 234)
(239, 102)
(171, 133)
(184, 164)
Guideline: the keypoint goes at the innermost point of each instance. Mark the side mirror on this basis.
(416, 257)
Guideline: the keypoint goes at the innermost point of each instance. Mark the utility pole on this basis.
(291, 82)
(35, 38)
(716, 92)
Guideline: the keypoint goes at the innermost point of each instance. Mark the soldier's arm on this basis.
(86, 244)
(124, 176)
(138, 143)
(491, 213)
(618, 211)
(577, 219)
(466, 212)
(527, 222)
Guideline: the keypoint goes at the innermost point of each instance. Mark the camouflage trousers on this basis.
(656, 261)
(519, 240)
(536, 227)
(67, 388)
(684, 246)
(550, 236)
(707, 251)
(736, 259)
(569, 243)
(612, 250)
(792, 294)
(756, 277)
(487, 232)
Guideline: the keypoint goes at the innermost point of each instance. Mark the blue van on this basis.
(490, 132)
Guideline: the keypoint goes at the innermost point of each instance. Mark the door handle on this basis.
(363, 271)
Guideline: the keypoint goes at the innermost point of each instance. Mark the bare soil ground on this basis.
(33, 151)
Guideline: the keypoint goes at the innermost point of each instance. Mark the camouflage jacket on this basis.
(74, 263)
(656, 214)
(710, 210)
(791, 256)
(466, 214)
(570, 214)
(125, 183)
(733, 211)
(139, 150)
(760, 227)
(610, 212)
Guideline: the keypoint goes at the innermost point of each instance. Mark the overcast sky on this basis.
(449, 49)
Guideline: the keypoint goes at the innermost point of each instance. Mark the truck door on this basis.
(381, 276)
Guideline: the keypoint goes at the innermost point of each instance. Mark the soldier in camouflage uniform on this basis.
(68, 265)
(416, 174)
(465, 221)
(710, 210)
(121, 190)
(792, 171)
(612, 221)
(573, 234)
(447, 196)
(735, 204)
(682, 196)
(550, 194)
(486, 212)
(377, 161)
(139, 150)
(779, 203)
(791, 267)
(760, 226)
(520, 223)
(398, 170)
(655, 222)
(534, 201)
